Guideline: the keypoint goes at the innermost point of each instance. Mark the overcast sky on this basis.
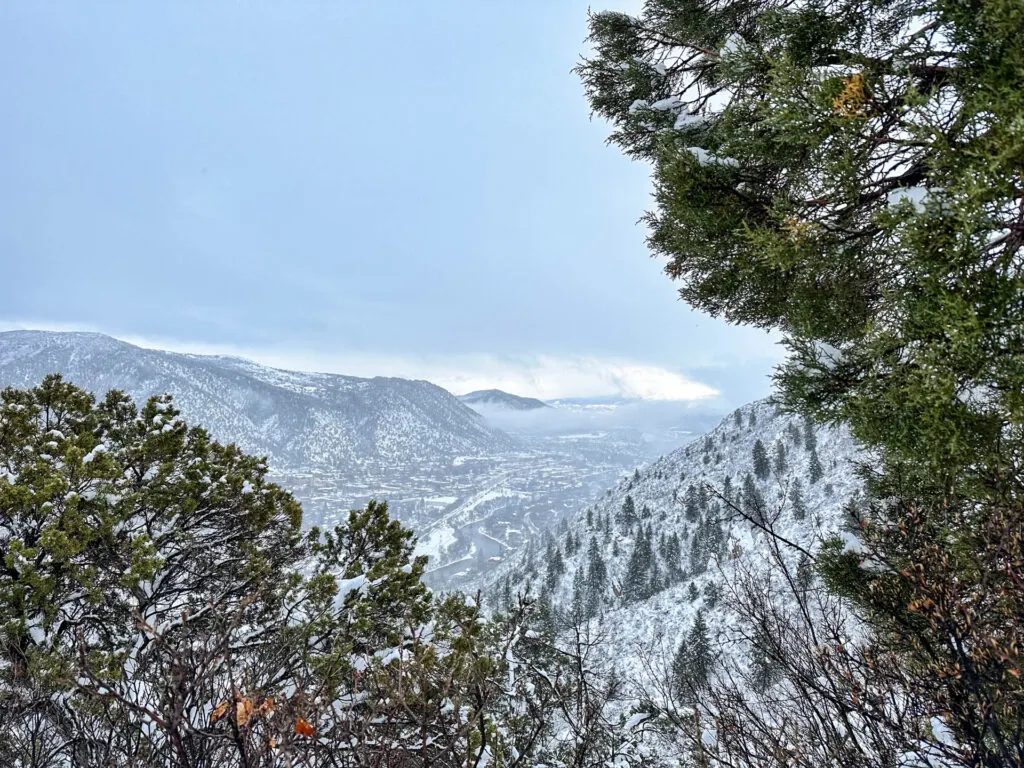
(376, 187)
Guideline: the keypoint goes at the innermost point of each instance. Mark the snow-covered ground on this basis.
(654, 626)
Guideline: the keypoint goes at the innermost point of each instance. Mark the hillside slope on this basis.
(307, 420)
(696, 540)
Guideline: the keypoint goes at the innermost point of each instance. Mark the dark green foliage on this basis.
(641, 568)
(692, 592)
(691, 503)
(848, 175)
(764, 670)
(627, 514)
(796, 500)
(894, 313)
(805, 572)
(793, 431)
(597, 577)
(754, 504)
(810, 437)
(572, 544)
(707, 541)
(554, 565)
(150, 576)
(694, 660)
(712, 594)
(779, 464)
(762, 466)
(814, 468)
(579, 595)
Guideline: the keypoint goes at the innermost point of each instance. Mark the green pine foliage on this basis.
(160, 606)
(847, 174)
(694, 660)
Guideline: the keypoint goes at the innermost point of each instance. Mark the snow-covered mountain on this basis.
(488, 399)
(696, 538)
(313, 421)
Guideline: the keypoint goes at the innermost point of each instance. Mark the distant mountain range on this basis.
(300, 420)
(496, 398)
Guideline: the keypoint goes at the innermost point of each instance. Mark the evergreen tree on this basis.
(161, 606)
(555, 566)
(627, 515)
(699, 550)
(636, 583)
(712, 594)
(762, 466)
(764, 672)
(692, 592)
(530, 564)
(673, 558)
(701, 660)
(752, 421)
(814, 469)
(737, 417)
(805, 572)
(796, 500)
(579, 595)
(590, 518)
(795, 436)
(597, 577)
(846, 174)
(810, 436)
(780, 464)
(694, 659)
(547, 617)
(655, 580)
(691, 503)
(753, 502)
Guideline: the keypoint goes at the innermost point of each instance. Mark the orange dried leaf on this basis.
(243, 711)
(219, 711)
(266, 707)
(303, 728)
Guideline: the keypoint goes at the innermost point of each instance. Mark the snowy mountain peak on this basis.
(498, 399)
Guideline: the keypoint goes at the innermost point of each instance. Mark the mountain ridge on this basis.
(295, 418)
